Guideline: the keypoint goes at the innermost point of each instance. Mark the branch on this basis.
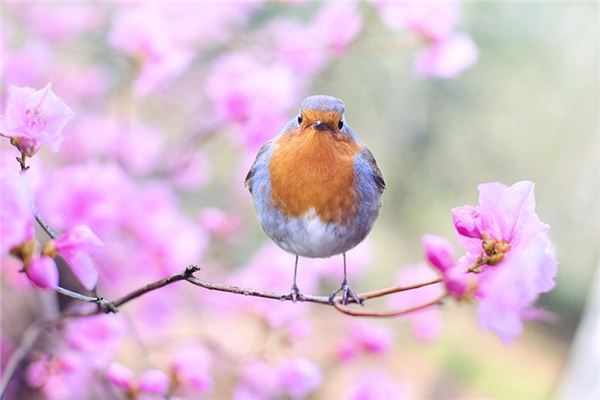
(388, 314)
(29, 340)
(188, 275)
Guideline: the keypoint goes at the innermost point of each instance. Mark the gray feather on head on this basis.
(323, 103)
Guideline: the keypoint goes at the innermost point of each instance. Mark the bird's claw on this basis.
(294, 295)
(347, 294)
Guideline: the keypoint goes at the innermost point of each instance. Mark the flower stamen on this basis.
(495, 249)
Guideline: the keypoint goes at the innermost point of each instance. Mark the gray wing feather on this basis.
(368, 156)
(250, 175)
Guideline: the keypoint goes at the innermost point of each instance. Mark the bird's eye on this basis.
(341, 124)
(299, 119)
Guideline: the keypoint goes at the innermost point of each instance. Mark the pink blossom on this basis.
(438, 252)
(167, 238)
(258, 380)
(515, 244)
(36, 373)
(447, 58)
(371, 338)
(140, 31)
(192, 368)
(191, 171)
(16, 218)
(92, 83)
(89, 334)
(251, 95)
(154, 381)
(299, 377)
(376, 385)
(298, 48)
(63, 21)
(328, 20)
(91, 136)
(75, 245)
(219, 223)
(26, 65)
(467, 221)
(42, 272)
(35, 117)
(120, 376)
(93, 194)
(138, 147)
(205, 24)
(432, 20)
(426, 324)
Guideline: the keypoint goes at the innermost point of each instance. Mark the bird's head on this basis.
(321, 113)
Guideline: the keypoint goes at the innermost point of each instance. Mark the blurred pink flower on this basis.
(154, 381)
(91, 136)
(257, 380)
(36, 373)
(190, 171)
(168, 239)
(26, 65)
(328, 20)
(299, 377)
(138, 147)
(191, 368)
(270, 268)
(298, 48)
(432, 20)
(59, 377)
(120, 376)
(205, 24)
(376, 385)
(92, 83)
(99, 332)
(16, 217)
(438, 252)
(358, 260)
(75, 245)
(218, 223)
(251, 95)
(447, 58)
(425, 324)
(63, 21)
(37, 116)
(521, 264)
(42, 272)
(93, 194)
(362, 336)
(140, 30)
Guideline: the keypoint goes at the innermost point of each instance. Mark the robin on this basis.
(316, 188)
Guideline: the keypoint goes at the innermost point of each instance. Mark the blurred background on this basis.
(172, 102)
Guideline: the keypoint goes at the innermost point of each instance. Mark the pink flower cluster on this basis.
(505, 236)
(293, 378)
(447, 53)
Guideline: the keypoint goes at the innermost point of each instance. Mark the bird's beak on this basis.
(319, 125)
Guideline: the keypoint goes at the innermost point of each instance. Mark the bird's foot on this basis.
(295, 295)
(347, 294)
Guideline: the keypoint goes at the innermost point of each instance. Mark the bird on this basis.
(316, 188)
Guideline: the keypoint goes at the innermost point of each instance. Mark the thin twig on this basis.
(30, 337)
(388, 314)
(45, 226)
(396, 289)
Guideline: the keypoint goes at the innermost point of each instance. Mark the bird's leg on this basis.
(347, 292)
(295, 294)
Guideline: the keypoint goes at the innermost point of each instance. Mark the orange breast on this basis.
(314, 169)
